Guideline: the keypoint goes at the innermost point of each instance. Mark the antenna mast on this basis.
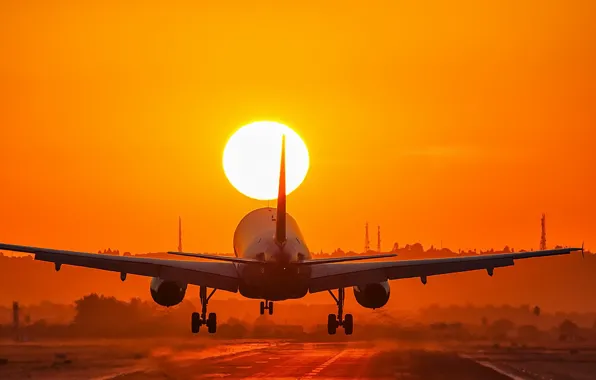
(379, 239)
(543, 234)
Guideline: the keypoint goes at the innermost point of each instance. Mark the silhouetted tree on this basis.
(105, 316)
(528, 333)
(501, 327)
(536, 311)
(568, 330)
(417, 248)
(234, 328)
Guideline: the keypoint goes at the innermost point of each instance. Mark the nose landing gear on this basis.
(198, 320)
(267, 305)
(335, 321)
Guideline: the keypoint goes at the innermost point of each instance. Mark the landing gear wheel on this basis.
(349, 324)
(198, 320)
(331, 324)
(333, 321)
(195, 323)
(212, 323)
(266, 305)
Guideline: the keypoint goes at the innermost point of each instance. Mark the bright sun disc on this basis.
(252, 156)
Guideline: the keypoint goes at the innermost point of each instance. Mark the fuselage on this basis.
(279, 277)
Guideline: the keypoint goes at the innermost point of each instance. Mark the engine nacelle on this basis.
(372, 296)
(167, 293)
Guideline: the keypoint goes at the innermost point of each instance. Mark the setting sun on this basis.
(251, 159)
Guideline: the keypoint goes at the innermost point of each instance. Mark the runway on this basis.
(257, 359)
(338, 361)
(244, 360)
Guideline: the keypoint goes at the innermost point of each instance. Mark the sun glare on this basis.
(252, 155)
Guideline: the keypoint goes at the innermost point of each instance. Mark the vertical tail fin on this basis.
(280, 228)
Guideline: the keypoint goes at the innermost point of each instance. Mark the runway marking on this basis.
(494, 368)
(123, 372)
(316, 371)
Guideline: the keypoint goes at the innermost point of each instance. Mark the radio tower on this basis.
(366, 239)
(379, 239)
(179, 234)
(543, 234)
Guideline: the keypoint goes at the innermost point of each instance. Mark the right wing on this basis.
(334, 276)
(216, 275)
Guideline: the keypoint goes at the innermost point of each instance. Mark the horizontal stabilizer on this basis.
(348, 258)
(217, 257)
(306, 262)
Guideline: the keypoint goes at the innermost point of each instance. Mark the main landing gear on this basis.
(199, 320)
(267, 305)
(333, 321)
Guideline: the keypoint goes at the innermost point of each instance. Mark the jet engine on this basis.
(167, 293)
(372, 296)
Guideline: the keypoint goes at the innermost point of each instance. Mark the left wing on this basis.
(334, 276)
(211, 274)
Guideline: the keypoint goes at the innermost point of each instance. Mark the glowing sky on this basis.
(459, 122)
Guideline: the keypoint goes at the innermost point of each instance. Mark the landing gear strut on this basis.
(335, 321)
(199, 320)
(267, 305)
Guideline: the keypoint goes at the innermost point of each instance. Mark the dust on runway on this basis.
(240, 360)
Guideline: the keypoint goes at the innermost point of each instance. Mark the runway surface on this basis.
(250, 360)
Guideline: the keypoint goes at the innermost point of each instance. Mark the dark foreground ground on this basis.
(204, 359)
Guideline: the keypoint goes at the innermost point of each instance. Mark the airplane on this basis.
(272, 262)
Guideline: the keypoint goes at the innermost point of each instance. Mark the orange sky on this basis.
(452, 121)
